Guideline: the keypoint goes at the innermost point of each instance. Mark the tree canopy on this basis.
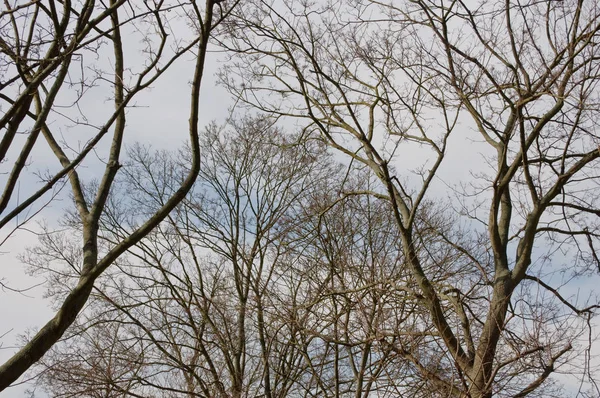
(403, 201)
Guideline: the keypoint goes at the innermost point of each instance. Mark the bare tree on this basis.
(110, 367)
(382, 80)
(349, 293)
(320, 301)
(276, 277)
(47, 48)
(199, 297)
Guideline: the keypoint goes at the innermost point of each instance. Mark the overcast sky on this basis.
(160, 119)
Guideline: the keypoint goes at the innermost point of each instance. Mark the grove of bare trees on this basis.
(403, 202)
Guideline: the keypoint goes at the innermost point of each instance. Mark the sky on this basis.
(160, 119)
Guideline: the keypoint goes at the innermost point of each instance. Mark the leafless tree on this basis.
(349, 293)
(52, 57)
(110, 367)
(381, 81)
(278, 276)
(198, 297)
